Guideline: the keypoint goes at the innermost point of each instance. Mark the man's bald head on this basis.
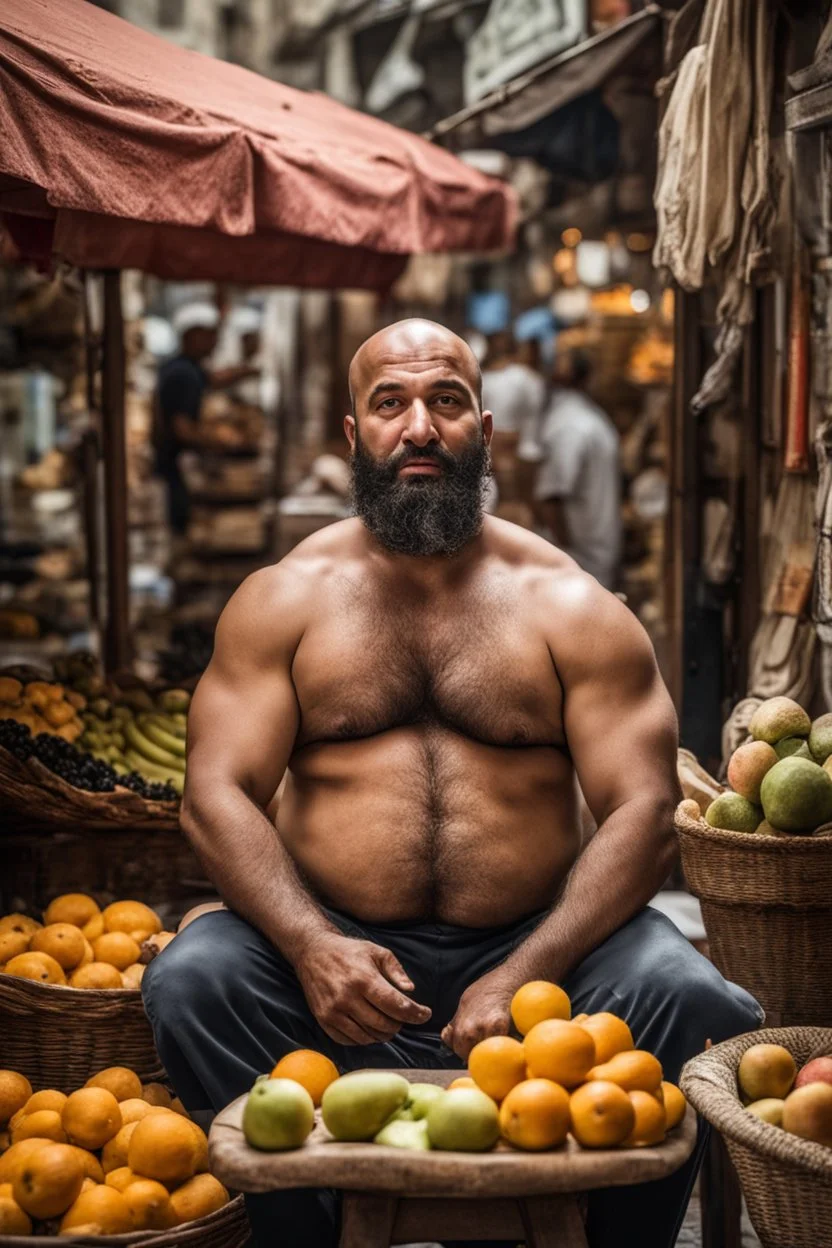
(415, 343)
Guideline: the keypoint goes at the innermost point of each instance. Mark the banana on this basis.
(149, 750)
(160, 736)
(171, 723)
(153, 772)
(173, 700)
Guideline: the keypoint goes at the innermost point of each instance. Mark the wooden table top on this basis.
(505, 1171)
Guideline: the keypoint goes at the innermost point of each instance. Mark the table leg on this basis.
(720, 1197)
(552, 1222)
(367, 1220)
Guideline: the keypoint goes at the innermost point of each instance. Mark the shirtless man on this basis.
(434, 681)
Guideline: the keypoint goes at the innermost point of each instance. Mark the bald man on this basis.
(435, 682)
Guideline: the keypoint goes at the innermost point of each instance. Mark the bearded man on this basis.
(435, 682)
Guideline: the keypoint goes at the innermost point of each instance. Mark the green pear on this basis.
(357, 1106)
(422, 1096)
(278, 1114)
(464, 1120)
(403, 1134)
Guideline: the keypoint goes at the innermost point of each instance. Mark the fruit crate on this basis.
(767, 909)
(226, 1228)
(35, 796)
(787, 1181)
(59, 1036)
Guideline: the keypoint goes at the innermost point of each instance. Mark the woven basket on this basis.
(32, 794)
(57, 1037)
(227, 1228)
(767, 908)
(787, 1181)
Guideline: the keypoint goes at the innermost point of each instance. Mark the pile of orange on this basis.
(114, 1156)
(80, 945)
(582, 1076)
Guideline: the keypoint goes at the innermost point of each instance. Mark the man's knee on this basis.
(193, 974)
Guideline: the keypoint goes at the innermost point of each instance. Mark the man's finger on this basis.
(355, 1033)
(447, 1036)
(371, 1019)
(390, 965)
(394, 1004)
(334, 1034)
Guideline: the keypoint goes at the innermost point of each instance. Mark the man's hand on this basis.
(349, 987)
(483, 1011)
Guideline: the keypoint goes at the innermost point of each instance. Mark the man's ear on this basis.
(349, 430)
(487, 427)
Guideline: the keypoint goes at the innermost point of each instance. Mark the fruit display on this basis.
(94, 735)
(781, 779)
(112, 1157)
(79, 945)
(558, 1077)
(775, 1091)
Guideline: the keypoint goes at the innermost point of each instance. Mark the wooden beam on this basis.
(116, 648)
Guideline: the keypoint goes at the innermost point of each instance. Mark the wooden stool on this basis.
(398, 1196)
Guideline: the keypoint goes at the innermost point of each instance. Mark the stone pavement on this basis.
(690, 1235)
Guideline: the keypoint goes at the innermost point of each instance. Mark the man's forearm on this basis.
(624, 865)
(251, 869)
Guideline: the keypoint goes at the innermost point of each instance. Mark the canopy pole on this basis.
(117, 630)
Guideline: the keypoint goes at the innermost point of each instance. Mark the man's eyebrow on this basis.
(450, 383)
(385, 387)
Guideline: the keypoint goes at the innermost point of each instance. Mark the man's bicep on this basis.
(619, 720)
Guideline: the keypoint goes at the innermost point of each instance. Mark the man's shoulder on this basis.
(306, 569)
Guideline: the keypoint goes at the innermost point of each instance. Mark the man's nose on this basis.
(420, 427)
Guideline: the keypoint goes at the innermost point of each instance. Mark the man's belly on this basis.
(421, 822)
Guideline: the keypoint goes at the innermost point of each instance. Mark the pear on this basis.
(278, 1115)
(358, 1105)
(403, 1134)
(422, 1096)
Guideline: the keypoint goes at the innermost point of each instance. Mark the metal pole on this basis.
(117, 629)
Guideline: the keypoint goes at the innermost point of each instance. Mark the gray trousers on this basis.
(225, 1006)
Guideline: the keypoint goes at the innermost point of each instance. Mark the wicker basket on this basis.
(227, 1228)
(787, 1181)
(32, 795)
(767, 908)
(57, 1037)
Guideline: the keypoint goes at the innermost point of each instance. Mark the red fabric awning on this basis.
(152, 156)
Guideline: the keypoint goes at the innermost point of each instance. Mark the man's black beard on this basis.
(422, 515)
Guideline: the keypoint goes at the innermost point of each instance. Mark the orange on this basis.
(43, 1124)
(535, 1115)
(121, 1178)
(13, 1221)
(163, 1147)
(91, 1164)
(15, 1091)
(103, 1208)
(132, 917)
(133, 1110)
(119, 1080)
(149, 1203)
(178, 1108)
(91, 1117)
(50, 1098)
(132, 976)
(74, 908)
(601, 1114)
(201, 1148)
(580, 1018)
(11, 944)
(651, 1120)
(94, 928)
(537, 1001)
(38, 966)
(198, 1197)
(496, 1065)
(114, 1152)
(117, 948)
(18, 923)
(88, 1184)
(311, 1070)
(611, 1035)
(6, 1191)
(156, 1094)
(89, 956)
(636, 1071)
(674, 1103)
(16, 1155)
(61, 941)
(560, 1051)
(49, 1181)
(463, 1081)
(96, 975)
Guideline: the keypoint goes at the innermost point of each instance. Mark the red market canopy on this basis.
(137, 153)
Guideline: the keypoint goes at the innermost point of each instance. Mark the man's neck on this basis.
(429, 572)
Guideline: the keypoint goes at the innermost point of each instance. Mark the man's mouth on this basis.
(420, 467)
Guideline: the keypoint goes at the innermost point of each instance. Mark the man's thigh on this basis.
(673, 998)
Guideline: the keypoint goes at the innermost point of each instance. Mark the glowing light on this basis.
(571, 237)
(639, 301)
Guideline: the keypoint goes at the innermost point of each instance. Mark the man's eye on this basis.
(388, 403)
(447, 400)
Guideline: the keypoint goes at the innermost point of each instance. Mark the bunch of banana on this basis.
(136, 735)
(155, 747)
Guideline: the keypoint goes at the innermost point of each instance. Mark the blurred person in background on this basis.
(578, 488)
(183, 382)
(513, 389)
